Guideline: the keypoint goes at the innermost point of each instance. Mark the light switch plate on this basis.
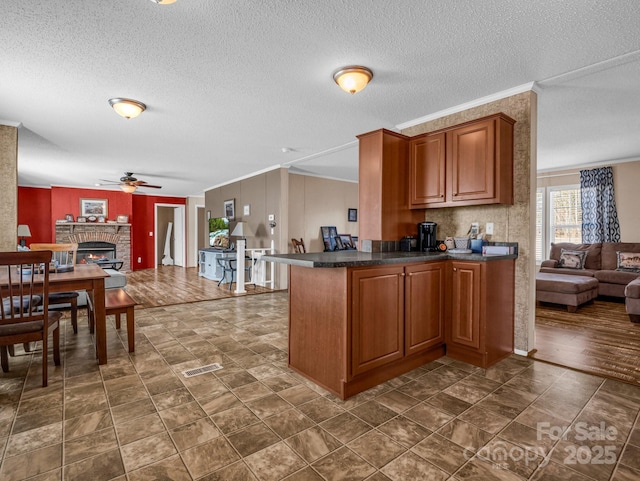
(272, 217)
(489, 228)
(247, 210)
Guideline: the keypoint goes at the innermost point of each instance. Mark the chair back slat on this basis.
(24, 280)
(64, 254)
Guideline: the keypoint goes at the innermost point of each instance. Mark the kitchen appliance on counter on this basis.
(408, 244)
(427, 237)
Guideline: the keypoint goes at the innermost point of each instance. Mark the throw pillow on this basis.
(572, 259)
(628, 261)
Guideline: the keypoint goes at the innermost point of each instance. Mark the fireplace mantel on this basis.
(119, 234)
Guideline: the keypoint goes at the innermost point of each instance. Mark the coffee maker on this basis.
(427, 236)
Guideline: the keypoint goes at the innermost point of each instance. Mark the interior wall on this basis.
(314, 202)
(262, 194)
(625, 184)
(8, 188)
(512, 223)
(34, 210)
(195, 220)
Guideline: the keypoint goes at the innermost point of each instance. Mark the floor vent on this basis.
(201, 370)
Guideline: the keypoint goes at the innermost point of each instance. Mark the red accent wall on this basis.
(39, 208)
(34, 209)
(144, 213)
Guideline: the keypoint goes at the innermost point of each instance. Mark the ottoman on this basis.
(569, 290)
(632, 300)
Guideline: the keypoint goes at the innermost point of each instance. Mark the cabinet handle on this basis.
(402, 275)
(455, 269)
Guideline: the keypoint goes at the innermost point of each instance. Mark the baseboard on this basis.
(520, 352)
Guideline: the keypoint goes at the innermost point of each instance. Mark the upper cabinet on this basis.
(428, 170)
(469, 164)
(383, 194)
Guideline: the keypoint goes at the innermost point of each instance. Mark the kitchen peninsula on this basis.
(357, 319)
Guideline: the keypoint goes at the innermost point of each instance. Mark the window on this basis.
(559, 219)
(540, 230)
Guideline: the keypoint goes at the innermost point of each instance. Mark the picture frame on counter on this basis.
(122, 219)
(81, 219)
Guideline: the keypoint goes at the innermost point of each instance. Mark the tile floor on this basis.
(137, 418)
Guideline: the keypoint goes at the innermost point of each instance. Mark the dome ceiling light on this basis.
(127, 108)
(353, 79)
(164, 2)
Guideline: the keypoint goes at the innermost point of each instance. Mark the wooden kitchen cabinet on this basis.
(480, 162)
(377, 317)
(427, 175)
(397, 311)
(383, 194)
(424, 306)
(480, 311)
(468, 164)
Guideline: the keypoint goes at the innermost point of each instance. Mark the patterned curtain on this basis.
(599, 214)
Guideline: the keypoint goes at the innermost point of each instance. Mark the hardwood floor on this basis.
(168, 285)
(598, 339)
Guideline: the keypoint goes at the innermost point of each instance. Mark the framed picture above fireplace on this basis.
(93, 207)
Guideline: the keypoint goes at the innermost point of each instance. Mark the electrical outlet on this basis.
(489, 228)
(139, 260)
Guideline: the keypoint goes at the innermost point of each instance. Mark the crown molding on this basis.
(468, 105)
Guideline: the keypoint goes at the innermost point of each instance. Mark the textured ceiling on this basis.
(229, 84)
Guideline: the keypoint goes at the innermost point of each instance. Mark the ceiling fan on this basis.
(129, 183)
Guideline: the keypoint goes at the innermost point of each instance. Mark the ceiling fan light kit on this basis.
(127, 108)
(353, 79)
(129, 183)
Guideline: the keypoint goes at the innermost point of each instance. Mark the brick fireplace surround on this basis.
(118, 234)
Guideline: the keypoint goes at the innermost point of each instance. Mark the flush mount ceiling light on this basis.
(128, 108)
(164, 2)
(353, 79)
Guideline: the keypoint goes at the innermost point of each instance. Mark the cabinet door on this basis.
(427, 174)
(472, 161)
(465, 304)
(377, 317)
(424, 306)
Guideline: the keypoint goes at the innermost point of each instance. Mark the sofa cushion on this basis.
(610, 252)
(616, 277)
(570, 259)
(568, 272)
(629, 262)
(593, 260)
(633, 289)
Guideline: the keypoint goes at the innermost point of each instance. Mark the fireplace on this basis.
(95, 251)
(85, 234)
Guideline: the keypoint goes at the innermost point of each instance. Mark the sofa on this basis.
(612, 264)
(601, 262)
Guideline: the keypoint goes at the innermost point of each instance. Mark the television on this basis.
(219, 232)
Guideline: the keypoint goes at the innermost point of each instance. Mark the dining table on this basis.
(88, 277)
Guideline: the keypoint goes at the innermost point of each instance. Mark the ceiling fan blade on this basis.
(152, 186)
(113, 182)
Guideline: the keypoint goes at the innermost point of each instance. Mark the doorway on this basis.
(170, 219)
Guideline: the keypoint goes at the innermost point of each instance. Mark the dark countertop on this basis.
(359, 259)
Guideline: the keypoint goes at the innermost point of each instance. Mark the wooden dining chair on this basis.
(25, 316)
(298, 246)
(64, 259)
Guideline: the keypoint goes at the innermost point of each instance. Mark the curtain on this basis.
(599, 214)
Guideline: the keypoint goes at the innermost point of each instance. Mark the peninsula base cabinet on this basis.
(353, 328)
(481, 311)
